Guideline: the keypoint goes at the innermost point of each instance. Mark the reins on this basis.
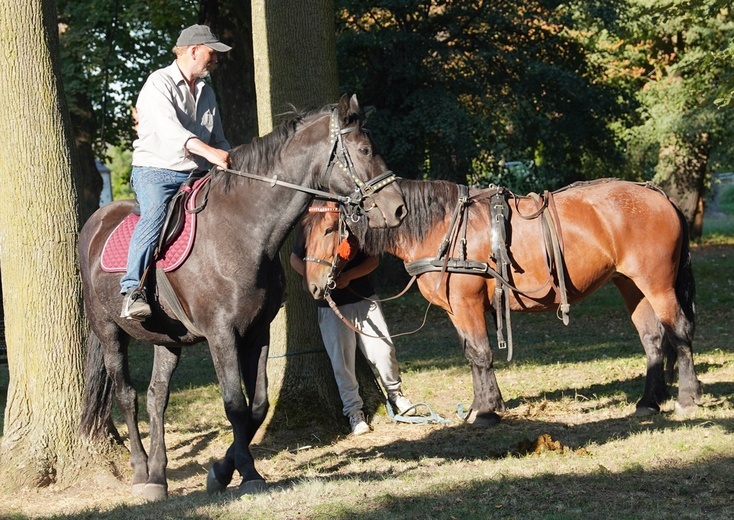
(363, 189)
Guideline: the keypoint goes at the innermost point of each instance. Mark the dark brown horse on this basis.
(232, 284)
(623, 231)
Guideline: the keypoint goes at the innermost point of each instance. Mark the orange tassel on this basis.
(344, 250)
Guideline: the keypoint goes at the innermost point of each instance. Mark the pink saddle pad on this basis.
(114, 254)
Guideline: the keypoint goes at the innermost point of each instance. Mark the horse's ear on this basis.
(348, 109)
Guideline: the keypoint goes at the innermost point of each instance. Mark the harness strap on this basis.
(498, 211)
(169, 295)
(550, 230)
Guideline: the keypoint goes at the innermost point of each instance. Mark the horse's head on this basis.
(329, 246)
(356, 169)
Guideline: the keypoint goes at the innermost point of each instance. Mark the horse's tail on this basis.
(97, 407)
(685, 290)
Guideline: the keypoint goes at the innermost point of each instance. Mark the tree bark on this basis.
(295, 64)
(234, 77)
(682, 165)
(39, 223)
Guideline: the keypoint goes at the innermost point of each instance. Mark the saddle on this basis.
(177, 236)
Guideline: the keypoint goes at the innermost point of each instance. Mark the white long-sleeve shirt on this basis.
(169, 115)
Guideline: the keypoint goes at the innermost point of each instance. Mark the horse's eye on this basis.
(365, 150)
(329, 231)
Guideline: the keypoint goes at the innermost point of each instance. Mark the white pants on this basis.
(341, 344)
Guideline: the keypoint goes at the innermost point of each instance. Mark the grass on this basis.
(567, 447)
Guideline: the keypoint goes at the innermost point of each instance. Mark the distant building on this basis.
(106, 196)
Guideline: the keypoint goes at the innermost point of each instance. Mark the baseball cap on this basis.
(200, 35)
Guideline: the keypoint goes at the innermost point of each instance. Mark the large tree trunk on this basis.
(295, 64)
(681, 172)
(44, 324)
(234, 76)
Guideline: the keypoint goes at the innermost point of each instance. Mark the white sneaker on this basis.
(358, 424)
(401, 403)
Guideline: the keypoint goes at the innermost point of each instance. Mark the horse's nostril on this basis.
(401, 212)
(316, 291)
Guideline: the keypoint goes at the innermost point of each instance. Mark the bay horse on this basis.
(230, 287)
(623, 231)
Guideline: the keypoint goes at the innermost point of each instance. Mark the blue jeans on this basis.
(154, 189)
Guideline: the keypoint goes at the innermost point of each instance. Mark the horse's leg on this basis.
(471, 325)
(165, 362)
(238, 456)
(116, 362)
(253, 365)
(650, 331)
(678, 334)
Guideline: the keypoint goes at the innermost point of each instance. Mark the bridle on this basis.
(353, 204)
(340, 257)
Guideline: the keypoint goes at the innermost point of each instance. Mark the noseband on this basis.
(340, 258)
(362, 190)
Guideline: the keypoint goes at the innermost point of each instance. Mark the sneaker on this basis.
(358, 424)
(400, 403)
(135, 306)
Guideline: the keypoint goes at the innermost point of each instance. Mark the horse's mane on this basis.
(427, 203)
(259, 155)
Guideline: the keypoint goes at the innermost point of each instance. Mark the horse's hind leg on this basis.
(679, 335)
(650, 331)
(116, 363)
(165, 362)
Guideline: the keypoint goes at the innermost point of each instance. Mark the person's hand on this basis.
(213, 155)
(343, 280)
(220, 157)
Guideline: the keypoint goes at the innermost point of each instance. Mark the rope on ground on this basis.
(431, 418)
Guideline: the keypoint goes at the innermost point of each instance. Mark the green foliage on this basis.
(108, 48)
(459, 87)
(726, 200)
(120, 164)
(670, 55)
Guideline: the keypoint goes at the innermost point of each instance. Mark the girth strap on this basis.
(166, 291)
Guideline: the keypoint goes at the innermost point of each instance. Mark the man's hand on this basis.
(213, 155)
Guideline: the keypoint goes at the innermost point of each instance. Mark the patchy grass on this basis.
(567, 447)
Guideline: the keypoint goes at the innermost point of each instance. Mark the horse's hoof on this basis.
(253, 487)
(645, 411)
(213, 485)
(138, 489)
(684, 410)
(484, 420)
(155, 492)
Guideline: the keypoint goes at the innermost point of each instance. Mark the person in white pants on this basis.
(352, 297)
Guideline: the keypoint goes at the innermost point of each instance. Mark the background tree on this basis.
(44, 324)
(108, 48)
(295, 65)
(460, 87)
(664, 53)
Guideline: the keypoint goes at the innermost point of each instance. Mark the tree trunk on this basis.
(295, 64)
(42, 296)
(234, 77)
(681, 173)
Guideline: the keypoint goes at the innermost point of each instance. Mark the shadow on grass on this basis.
(691, 491)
